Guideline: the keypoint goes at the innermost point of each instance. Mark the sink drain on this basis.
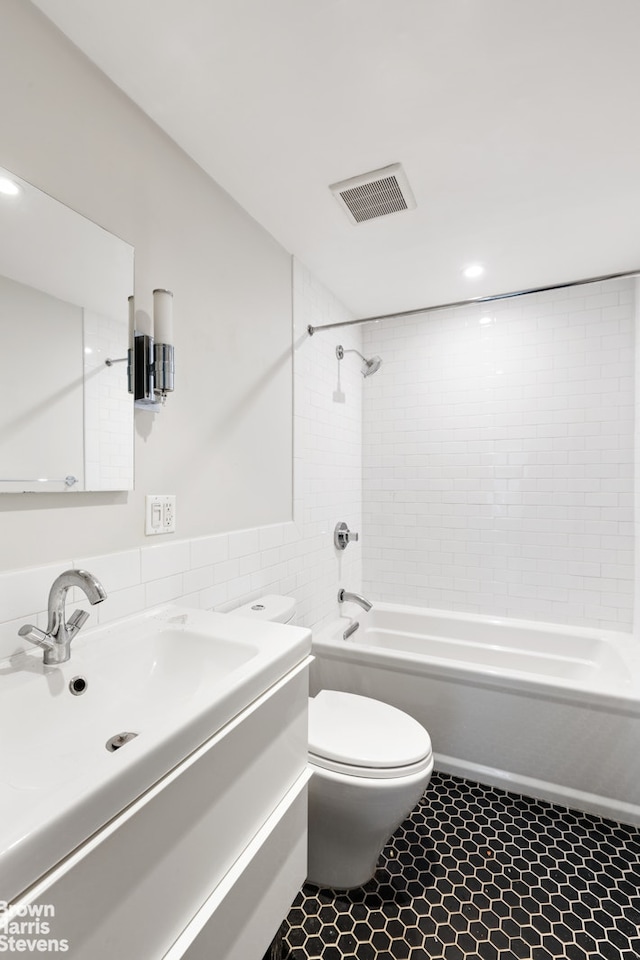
(78, 685)
(119, 741)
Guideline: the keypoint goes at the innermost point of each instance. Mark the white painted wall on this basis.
(223, 444)
(499, 458)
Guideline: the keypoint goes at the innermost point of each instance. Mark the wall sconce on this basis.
(151, 355)
(163, 351)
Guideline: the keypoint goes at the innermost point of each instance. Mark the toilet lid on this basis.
(365, 733)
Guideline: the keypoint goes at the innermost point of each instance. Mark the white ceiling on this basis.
(516, 122)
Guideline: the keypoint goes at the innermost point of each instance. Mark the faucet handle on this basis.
(34, 635)
(342, 536)
(77, 620)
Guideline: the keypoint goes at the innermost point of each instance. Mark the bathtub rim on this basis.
(328, 642)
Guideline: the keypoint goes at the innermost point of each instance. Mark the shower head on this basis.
(370, 366)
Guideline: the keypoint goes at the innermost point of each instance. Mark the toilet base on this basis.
(350, 821)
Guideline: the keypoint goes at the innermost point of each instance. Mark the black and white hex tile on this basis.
(479, 874)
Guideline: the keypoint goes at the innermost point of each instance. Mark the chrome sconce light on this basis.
(151, 354)
(163, 349)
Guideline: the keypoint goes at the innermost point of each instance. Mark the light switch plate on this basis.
(160, 514)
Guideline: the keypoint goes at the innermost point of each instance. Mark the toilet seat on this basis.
(361, 737)
(370, 773)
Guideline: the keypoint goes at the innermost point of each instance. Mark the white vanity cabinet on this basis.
(206, 862)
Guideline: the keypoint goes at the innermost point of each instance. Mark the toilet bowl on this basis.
(370, 765)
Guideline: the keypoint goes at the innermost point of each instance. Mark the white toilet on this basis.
(371, 763)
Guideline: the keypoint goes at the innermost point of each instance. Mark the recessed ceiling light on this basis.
(472, 271)
(8, 187)
(485, 320)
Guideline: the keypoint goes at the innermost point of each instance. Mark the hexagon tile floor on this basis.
(479, 874)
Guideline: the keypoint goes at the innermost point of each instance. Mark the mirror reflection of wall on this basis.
(41, 422)
(64, 283)
(108, 406)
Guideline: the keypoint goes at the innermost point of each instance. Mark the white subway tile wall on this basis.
(498, 458)
(296, 558)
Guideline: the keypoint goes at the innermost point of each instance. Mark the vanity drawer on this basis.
(243, 915)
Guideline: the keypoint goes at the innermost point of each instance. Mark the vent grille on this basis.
(374, 199)
(374, 194)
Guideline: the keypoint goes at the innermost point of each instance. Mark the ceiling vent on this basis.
(374, 194)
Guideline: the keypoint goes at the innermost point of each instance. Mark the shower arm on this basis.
(340, 352)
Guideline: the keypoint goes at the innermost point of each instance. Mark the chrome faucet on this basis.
(344, 597)
(56, 642)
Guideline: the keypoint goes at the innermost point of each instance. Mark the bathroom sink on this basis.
(173, 677)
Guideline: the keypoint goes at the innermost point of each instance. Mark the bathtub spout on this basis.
(345, 597)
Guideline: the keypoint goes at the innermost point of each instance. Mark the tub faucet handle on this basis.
(342, 536)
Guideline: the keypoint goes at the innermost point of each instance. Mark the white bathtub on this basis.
(549, 711)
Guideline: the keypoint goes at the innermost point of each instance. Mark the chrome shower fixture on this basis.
(370, 365)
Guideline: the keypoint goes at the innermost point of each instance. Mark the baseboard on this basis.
(628, 813)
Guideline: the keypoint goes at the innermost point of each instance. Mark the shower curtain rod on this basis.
(464, 303)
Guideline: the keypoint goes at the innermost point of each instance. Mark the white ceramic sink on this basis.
(172, 676)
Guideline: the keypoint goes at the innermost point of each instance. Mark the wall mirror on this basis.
(66, 421)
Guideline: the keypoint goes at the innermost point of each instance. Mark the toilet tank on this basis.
(273, 607)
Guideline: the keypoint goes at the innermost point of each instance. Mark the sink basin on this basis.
(173, 677)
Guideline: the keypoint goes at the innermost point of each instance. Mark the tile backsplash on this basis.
(208, 572)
